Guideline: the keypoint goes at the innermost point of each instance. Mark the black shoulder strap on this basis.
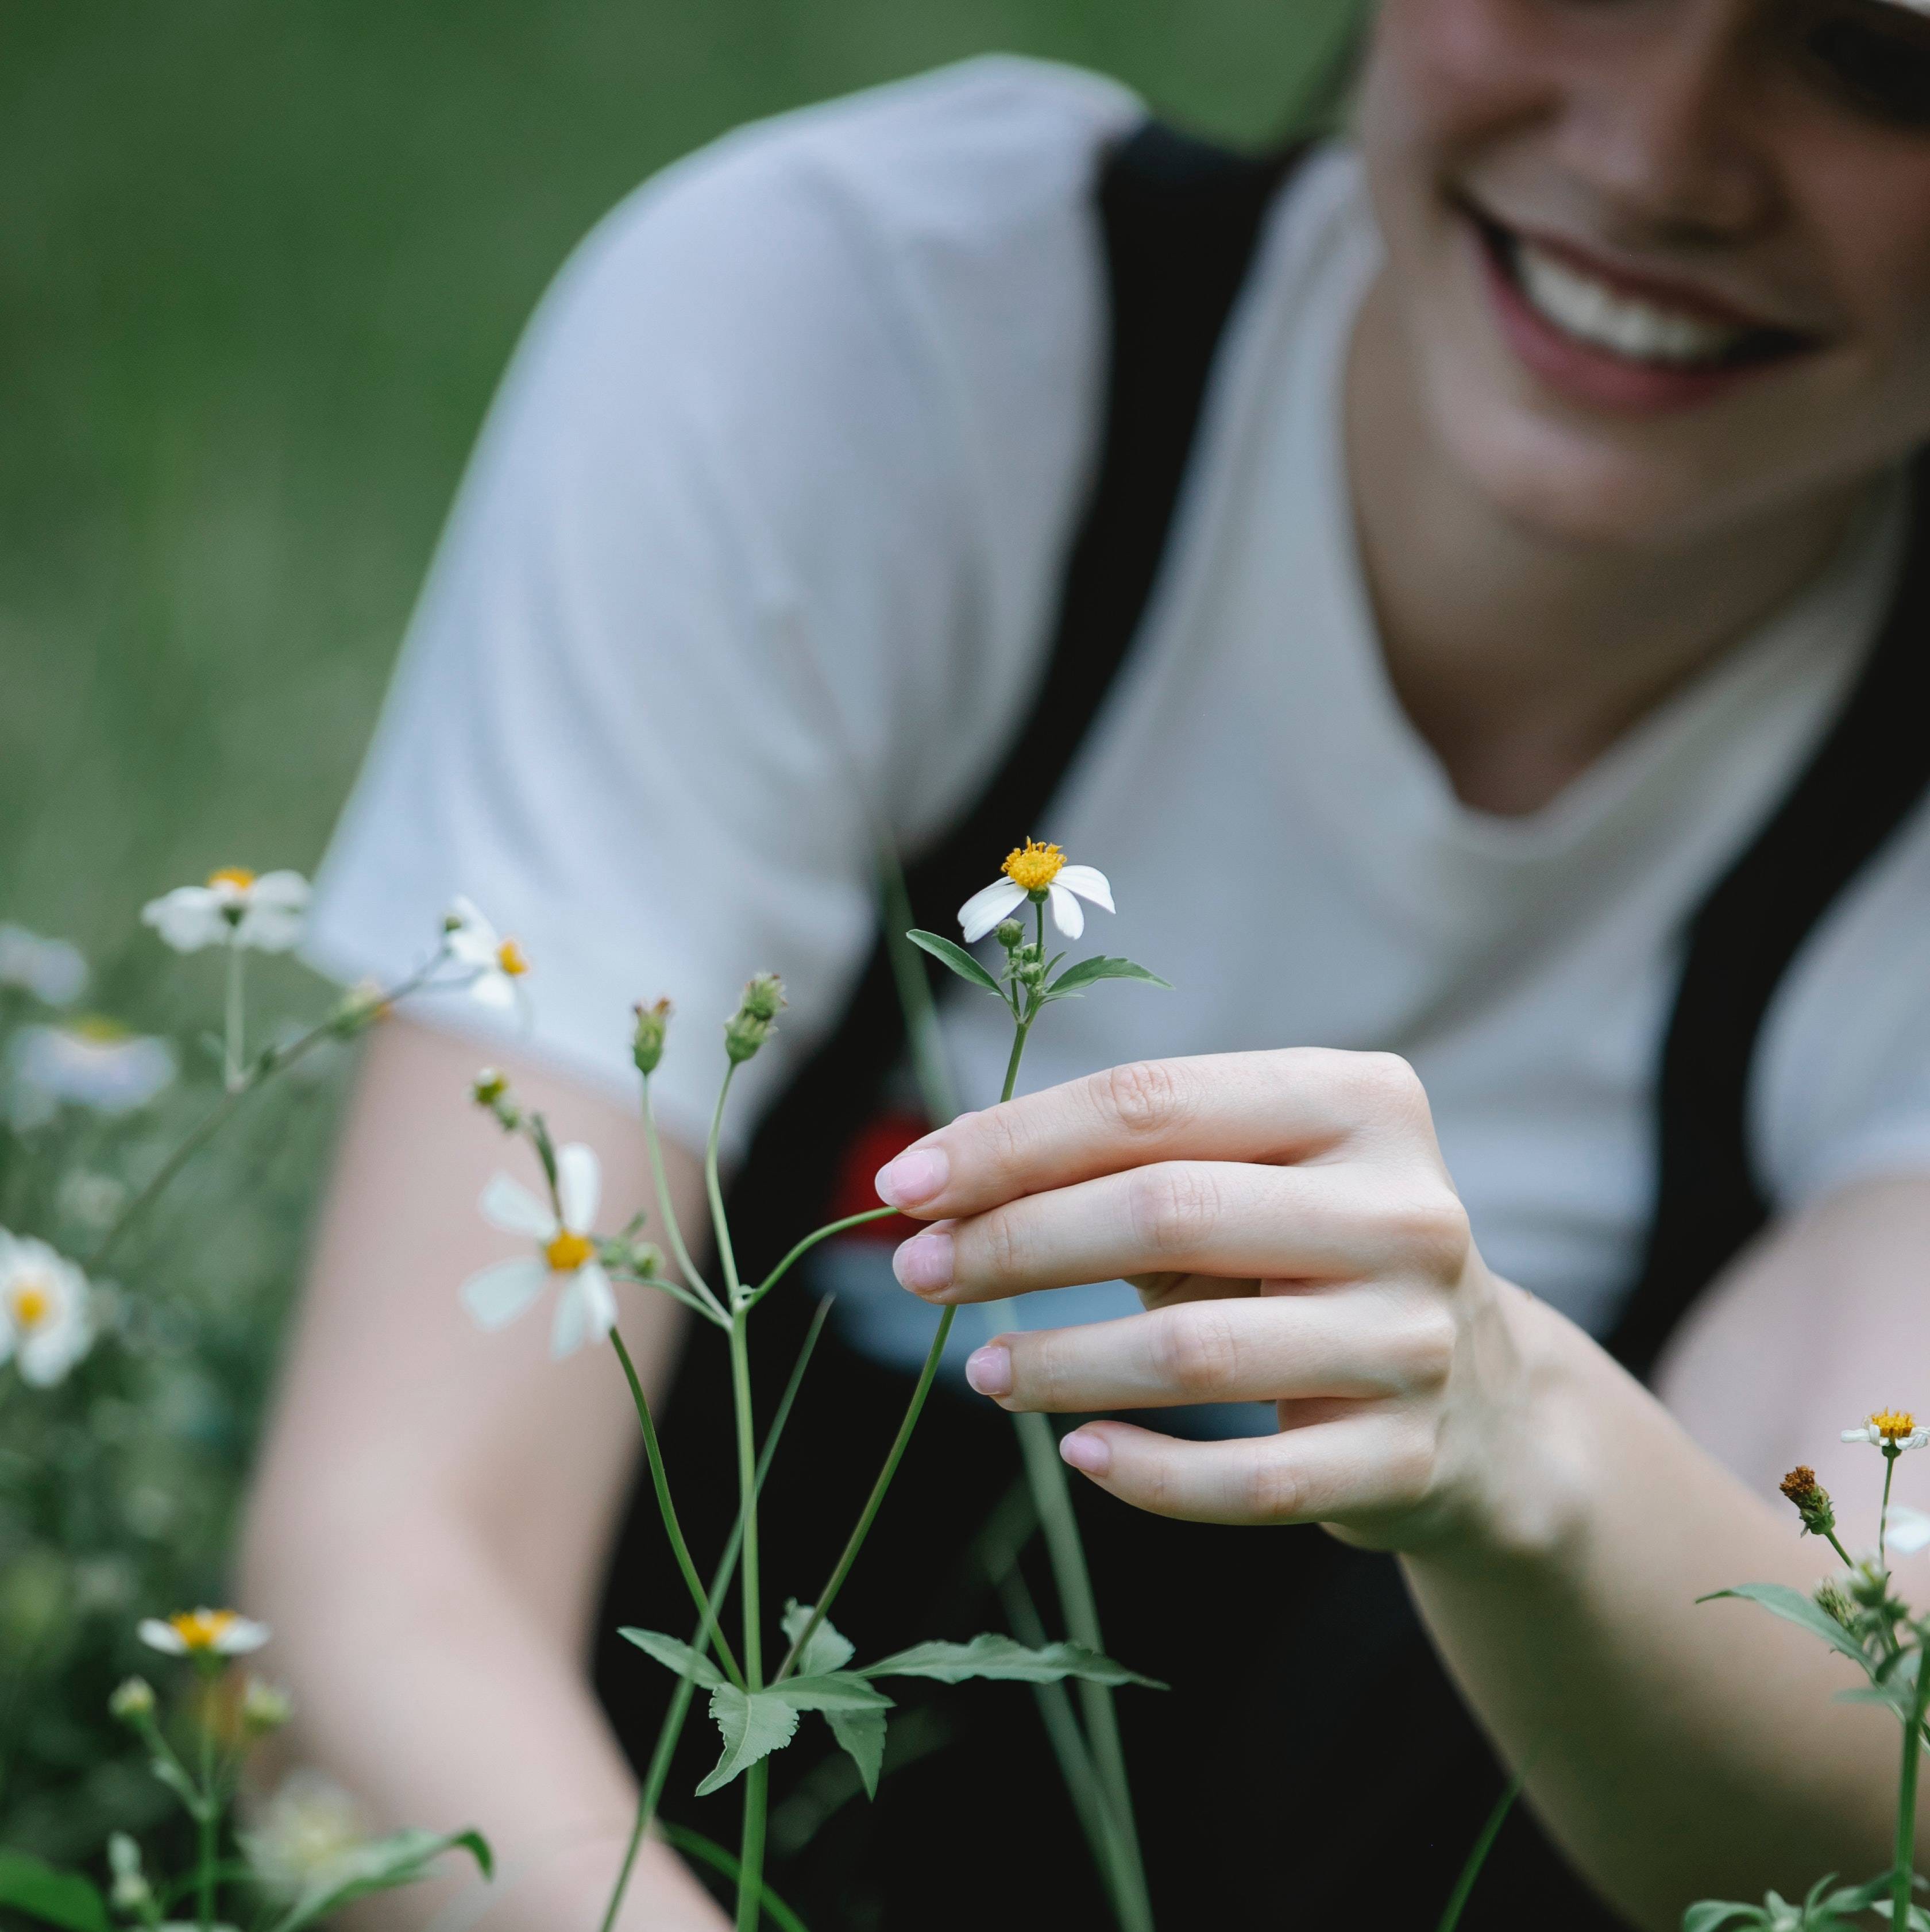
(1179, 219)
(1871, 770)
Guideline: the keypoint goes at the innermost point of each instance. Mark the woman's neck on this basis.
(1518, 658)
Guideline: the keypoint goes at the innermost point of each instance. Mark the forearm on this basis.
(425, 1686)
(1678, 1750)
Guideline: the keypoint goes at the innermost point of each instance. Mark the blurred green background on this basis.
(260, 267)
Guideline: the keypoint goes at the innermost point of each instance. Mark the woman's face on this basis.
(1657, 264)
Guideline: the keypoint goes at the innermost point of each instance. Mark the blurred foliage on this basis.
(259, 268)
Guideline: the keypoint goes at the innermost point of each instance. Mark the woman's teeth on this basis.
(1624, 325)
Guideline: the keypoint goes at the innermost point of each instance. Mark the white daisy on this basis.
(45, 1325)
(307, 1829)
(1890, 1429)
(567, 1253)
(203, 1633)
(1031, 872)
(54, 972)
(497, 963)
(91, 1063)
(234, 908)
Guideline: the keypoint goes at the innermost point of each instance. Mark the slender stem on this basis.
(1458, 1900)
(660, 1478)
(237, 1027)
(809, 1242)
(676, 1291)
(875, 1501)
(672, 1728)
(714, 1188)
(209, 1816)
(757, 1783)
(926, 1041)
(666, 1206)
(1889, 1456)
(1904, 1871)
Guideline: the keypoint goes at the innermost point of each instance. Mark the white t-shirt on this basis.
(766, 533)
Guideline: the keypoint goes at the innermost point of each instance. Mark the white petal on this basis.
(568, 1331)
(499, 1294)
(1088, 882)
(984, 910)
(1065, 913)
(241, 1636)
(493, 988)
(1861, 1436)
(472, 939)
(509, 1205)
(599, 1299)
(580, 1182)
(188, 918)
(162, 1636)
(268, 928)
(1907, 1530)
(283, 892)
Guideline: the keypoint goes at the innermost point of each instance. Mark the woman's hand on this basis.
(1291, 1228)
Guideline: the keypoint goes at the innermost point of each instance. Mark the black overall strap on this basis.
(1869, 774)
(1180, 220)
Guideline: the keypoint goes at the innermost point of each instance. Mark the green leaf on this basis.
(676, 1655)
(862, 1734)
(955, 956)
(1089, 972)
(1006, 1658)
(1792, 1605)
(827, 1649)
(380, 1865)
(836, 1690)
(32, 1885)
(754, 1724)
(1708, 1913)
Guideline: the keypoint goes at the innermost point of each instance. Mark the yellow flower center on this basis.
(29, 1302)
(1035, 867)
(567, 1252)
(203, 1630)
(239, 876)
(98, 1030)
(1890, 1424)
(509, 957)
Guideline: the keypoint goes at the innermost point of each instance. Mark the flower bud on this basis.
(647, 1043)
(1009, 933)
(360, 1006)
(488, 1087)
(1833, 1601)
(748, 1029)
(131, 1892)
(1811, 1500)
(132, 1700)
(265, 1707)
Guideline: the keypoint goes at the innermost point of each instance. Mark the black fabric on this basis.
(1868, 773)
(1334, 1762)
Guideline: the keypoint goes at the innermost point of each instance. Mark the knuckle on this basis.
(1001, 1245)
(1006, 1141)
(1145, 1096)
(1270, 1490)
(1431, 1341)
(1388, 1090)
(1196, 1353)
(1431, 1225)
(1171, 1206)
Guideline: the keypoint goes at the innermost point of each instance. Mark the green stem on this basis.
(208, 1815)
(237, 1027)
(932, 1071)
(1904, 1870)
(694, 1844)
(809, 1242)
(720, 1226)
(757, 1783)
(1464, 1885)
(1889, 1455)
(660, 1478)
(666, 1206)
(672, 1728)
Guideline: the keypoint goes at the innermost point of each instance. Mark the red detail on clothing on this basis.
(883, 1138)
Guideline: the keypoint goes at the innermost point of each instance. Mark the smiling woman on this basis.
(1464, 583)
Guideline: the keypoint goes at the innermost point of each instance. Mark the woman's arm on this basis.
(1292, 1227)
(434, 1505)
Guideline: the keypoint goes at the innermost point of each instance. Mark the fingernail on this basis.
(924, 1263)
(989, 1369)
(914, 1178)
(1089, 1454)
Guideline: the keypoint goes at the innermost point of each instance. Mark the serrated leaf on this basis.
(949, 953)
(827, 1649)
(1089, 972)
(382, 1865)
(1007, 1659)
(862, 1735)
(835, 1690)
(1708, 1913)
(32, 1885)
(1779, 1600)
(676, 1656)
(754, 1723)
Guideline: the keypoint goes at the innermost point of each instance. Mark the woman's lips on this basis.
(1664, 357)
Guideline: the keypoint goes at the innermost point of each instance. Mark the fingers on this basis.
(1374, 1464)
(1292, 1105)
(1324, 1223)
(1359, 1343)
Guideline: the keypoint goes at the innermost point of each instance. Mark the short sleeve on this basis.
(740, 568)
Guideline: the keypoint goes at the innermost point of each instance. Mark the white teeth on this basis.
(1596, 314)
